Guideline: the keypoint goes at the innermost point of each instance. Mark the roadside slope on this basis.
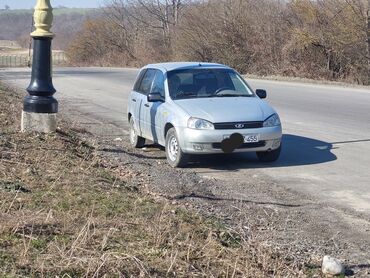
(67, 210)
(301, 226)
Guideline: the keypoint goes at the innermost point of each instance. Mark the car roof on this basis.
(184, 65)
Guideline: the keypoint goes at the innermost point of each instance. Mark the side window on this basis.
(138, 80)
(158, 83)
(147, 81)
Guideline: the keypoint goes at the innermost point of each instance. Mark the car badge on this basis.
(239, 125)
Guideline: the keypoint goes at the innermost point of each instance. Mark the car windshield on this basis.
(206, 83)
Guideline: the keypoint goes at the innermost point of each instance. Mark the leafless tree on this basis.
(152, 15)
(315, 39)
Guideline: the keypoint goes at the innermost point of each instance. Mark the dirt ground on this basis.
(291, 222)
(268, 231)
(68, 211)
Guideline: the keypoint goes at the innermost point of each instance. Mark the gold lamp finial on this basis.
(43, 18)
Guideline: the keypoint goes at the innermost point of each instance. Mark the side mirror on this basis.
(155, 97)
(261, 93)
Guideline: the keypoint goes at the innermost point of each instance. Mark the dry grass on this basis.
(65, 212)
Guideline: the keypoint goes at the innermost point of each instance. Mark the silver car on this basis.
(201, 108)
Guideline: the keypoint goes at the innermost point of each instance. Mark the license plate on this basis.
(251, 138)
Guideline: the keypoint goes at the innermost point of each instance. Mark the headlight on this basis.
(196, 123)
(273, 120)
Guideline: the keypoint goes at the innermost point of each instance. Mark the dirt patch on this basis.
(68, 209)
(265, 231)
(299, 226)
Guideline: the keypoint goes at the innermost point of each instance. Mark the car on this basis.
(194, 108)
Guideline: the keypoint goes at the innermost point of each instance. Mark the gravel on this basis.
(301, 227)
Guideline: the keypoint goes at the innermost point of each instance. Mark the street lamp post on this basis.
(40, 108)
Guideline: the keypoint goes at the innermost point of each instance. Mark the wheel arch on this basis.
(167, 127)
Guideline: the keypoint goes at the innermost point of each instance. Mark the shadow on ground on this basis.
(296, 151)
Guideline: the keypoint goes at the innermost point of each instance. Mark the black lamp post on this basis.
(40, 108)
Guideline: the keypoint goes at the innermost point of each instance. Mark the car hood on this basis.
(227, 109)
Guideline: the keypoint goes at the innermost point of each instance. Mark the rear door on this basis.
(136, 101)
(142, 102)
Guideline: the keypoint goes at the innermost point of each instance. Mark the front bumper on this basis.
(209, 141)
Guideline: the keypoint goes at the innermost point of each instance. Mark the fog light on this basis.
(276, 143)
(198, 147)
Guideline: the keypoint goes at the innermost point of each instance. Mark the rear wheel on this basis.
(269, 156)
(135, 140)
(175, 156)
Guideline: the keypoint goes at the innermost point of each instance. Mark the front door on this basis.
(153, 116)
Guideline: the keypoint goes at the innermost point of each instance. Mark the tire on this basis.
(270, 156)
(136, 141)
(175, 156)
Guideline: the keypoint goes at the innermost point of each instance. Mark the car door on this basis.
(153, 116)
(135, 102)
(142, 102)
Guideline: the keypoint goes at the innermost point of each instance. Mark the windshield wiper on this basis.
(232, 95)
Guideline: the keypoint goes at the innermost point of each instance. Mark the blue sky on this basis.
(26, 4)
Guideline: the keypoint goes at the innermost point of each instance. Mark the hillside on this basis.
(16, 24)
(56, 11)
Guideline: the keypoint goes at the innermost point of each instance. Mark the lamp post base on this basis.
(39, 122)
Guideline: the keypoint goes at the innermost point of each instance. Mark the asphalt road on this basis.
(326, 144)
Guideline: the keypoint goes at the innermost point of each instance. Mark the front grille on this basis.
(242, 125)
(244, 146)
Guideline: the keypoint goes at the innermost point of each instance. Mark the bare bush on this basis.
(316, 39)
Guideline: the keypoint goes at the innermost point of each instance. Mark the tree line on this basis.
(304, 38)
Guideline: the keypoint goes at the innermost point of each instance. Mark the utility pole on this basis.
(40, 108)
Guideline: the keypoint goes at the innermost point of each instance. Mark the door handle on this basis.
(146, 105)
(134, 100)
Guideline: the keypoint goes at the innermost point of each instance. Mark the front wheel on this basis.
(269, 156)
(135, 140)
(175, 156)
